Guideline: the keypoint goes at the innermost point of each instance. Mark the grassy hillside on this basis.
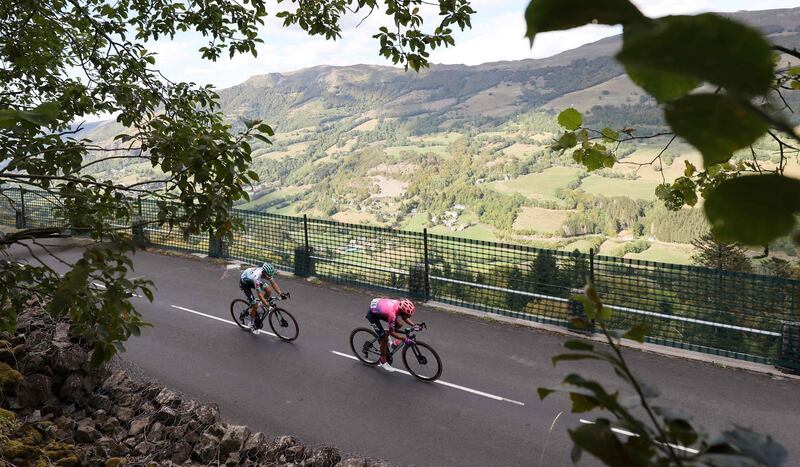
(464, 150)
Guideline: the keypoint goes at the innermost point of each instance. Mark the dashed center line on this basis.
(444, 383)
(217, 318)
(628, 433)
(397, 370)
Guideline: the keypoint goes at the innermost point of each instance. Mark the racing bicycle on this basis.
(421, 360)
(280, 321)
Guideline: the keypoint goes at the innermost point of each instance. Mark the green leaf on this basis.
(8, 118)
(662, 85)
(147, 293)
(663, 190)
(582, 403)
(588, 307)
(690, 169)
(42, 115)
(637, 332)
(544, 392)
(580, 346)
(261, 137)
(754, 209)
(716, 124)
(610, 134)
(570, 119)
(705, 48)
(594, 157)
(761, 448)
(557, 15)
(601, 442)
(567, 141)
(605, 313)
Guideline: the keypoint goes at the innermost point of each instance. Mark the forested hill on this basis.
(448, 97)
(465, 150)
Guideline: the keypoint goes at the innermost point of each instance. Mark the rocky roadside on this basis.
(56, 410)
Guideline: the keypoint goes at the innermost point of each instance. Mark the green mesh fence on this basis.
(10, 203)
(746, 316)
(364, 255)
(266, 237)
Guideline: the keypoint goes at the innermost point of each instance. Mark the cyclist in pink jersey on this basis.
(391, 311)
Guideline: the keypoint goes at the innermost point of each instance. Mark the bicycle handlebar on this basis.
(283, 296)
(417, 328)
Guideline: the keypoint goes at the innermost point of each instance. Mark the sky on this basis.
(497, 34)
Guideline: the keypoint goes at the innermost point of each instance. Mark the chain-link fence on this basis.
(741, 315)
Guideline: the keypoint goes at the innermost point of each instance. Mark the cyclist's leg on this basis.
(251, 299)
(375, 321)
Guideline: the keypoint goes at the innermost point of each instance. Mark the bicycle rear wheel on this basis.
(365, 346)
(239, 310)
(422, 361)
(283, 324)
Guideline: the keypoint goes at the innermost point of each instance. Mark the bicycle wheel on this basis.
(239, 310)
(423, 362)
(283, 324)
(365, 346)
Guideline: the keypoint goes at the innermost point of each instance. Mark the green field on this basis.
(540, 220)
(439, 150)
(581, 245)
(476, 232)
(664, 254)
(539, 185)
(610, 187)
(256, 204)
(416, 222)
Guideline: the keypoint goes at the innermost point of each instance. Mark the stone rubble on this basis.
(56, 410)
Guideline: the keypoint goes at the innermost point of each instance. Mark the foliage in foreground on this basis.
(67, 60)
(656, 435)
(721, 86)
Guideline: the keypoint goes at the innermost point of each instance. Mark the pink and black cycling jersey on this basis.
(386, 309)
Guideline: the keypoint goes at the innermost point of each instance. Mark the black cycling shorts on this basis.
(376, 323)
(247, 288)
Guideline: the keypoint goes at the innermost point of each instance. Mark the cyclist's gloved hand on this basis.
(284, 295)
(408, 341)
(417, 327)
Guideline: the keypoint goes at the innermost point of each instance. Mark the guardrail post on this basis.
(305, 230)
(591, 264)
(418, 273)
(789, 346)
(427, 265)
(577, 315)
(303, 260)
(216, 246)
(137, 227)
(20, 221)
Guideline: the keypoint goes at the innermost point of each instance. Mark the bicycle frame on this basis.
(399, 346)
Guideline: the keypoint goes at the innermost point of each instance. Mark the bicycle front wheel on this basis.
(422, 361)
(365, 346)
(283, 324)
(239, 310)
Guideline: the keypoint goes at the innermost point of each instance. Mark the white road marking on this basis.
(444, 383)
(628, 433)
(216, 318)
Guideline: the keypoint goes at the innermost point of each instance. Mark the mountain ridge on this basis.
(374, 144)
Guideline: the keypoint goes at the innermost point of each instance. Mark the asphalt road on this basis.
(487, 413)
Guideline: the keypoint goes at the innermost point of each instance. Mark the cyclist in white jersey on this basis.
(260, 279)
